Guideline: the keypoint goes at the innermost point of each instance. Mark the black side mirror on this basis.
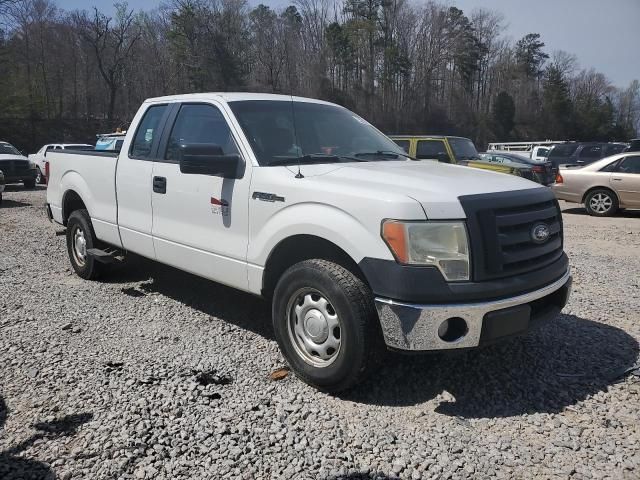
(209, 159)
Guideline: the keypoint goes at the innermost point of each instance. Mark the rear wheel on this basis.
(324, 321)
(601, 203)
(80, 238)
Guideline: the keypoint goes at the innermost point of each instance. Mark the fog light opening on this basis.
(453, 329)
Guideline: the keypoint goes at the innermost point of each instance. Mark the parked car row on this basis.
(540, 162)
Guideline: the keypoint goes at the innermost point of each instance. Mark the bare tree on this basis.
(113, 44)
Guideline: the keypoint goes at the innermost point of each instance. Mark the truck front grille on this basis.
(500, 230)
(14, 167)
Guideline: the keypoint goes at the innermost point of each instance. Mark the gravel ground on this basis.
(154, 373)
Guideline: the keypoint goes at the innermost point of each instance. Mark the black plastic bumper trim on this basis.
(406, 283)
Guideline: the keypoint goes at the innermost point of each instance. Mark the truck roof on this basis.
(233, 97)
(401, 137)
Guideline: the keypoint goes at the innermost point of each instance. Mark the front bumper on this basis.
(21, 177)
(408, 326)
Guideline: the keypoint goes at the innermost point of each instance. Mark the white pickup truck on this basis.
(306, 204)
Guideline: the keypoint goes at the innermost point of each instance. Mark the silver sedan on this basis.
(603, 186)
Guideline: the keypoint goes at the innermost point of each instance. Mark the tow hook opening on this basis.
(453, 329)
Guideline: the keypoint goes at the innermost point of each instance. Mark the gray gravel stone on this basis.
(167, 377)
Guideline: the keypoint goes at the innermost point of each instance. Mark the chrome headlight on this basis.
(441, 244)
(32, 165)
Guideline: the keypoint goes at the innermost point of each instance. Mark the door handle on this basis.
(160, 184)
(616, 179)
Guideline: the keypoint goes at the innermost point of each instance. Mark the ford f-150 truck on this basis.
(306, 204)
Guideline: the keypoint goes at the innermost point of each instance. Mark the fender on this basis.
(310, 218)
(103, 215)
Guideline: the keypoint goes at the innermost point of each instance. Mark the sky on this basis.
(603, 34)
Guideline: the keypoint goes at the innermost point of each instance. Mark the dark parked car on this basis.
(582, 153)
(634, 145)
(1, 185)
(16, 167)
(540, 172)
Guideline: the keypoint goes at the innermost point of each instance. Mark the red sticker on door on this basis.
(220, 207)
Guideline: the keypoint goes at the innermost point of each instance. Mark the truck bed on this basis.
(92, 175)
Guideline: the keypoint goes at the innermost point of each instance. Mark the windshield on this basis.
(8, 149)
(463, 148)
(283, 132)
(542, 152)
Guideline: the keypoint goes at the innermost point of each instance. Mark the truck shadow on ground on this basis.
(553, 367)
(15, 187)
(13, 466)
(233, 306)
(6, 203)
(547, 370)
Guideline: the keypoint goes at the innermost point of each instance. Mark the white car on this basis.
(40, 157)
(308, 205)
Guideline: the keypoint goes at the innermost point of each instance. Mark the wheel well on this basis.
(584, 197)
(70, 204)
(298, 248)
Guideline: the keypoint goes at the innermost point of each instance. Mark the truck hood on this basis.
(11, 156)
(436, 186)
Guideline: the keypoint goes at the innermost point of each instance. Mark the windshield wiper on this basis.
(384, 153)
(313, 158)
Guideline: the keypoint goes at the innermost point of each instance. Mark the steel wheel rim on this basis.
(79, 246)
(315, 330)
(38, 177)
(601, 203)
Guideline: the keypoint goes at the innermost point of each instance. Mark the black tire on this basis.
(87, 268)
(359, 332)
(601, 202)
(31, 183)
(40, 178)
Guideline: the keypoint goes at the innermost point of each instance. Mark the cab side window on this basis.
(403, 144)
(200, 124)
(432, 150)
(591, 152)
(147, 132)
(630, 165)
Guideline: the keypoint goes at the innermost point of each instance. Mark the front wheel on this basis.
(40, 178)
(325, 324)
(81, 238)
(601, 203)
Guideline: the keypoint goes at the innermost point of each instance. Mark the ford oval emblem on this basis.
(540, 233)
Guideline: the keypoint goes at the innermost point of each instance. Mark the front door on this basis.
(626, 181)
(433, 150)
(200, 222)
(133, 178)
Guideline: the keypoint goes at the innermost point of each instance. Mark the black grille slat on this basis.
(500, 228)
(503, 220)
(532, 251)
